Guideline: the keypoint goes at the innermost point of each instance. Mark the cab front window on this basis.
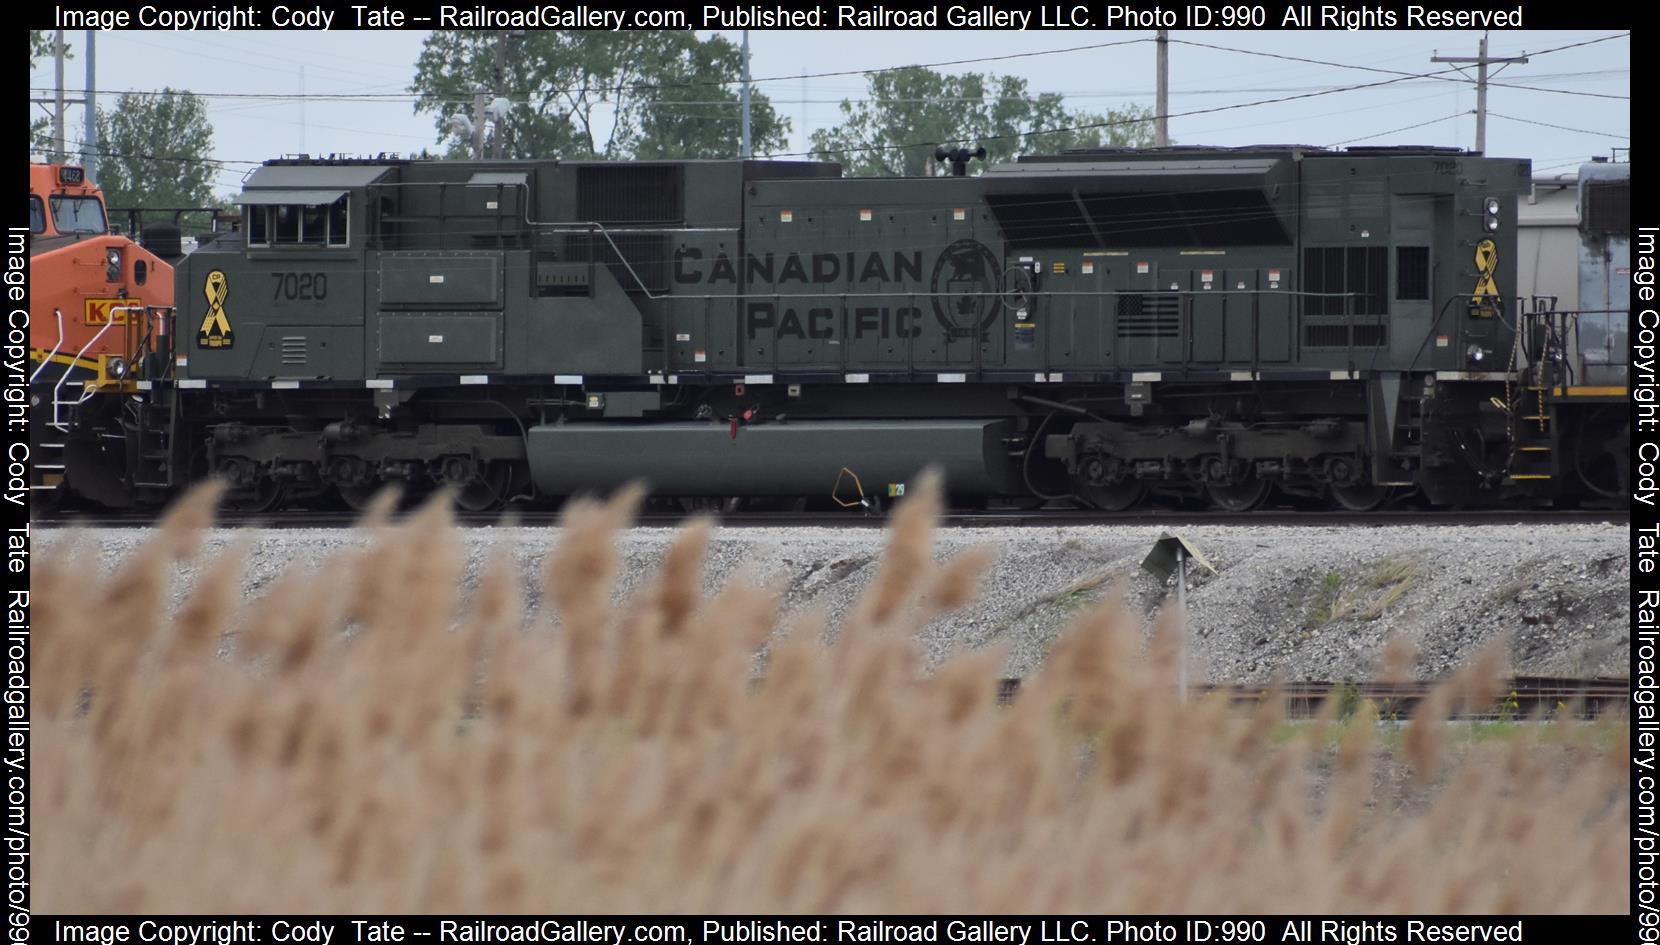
(78, 214)
(37, 215)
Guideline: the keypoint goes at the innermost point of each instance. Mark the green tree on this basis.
(40, 126)
(156, 151)
(595, 94)
(911, 111)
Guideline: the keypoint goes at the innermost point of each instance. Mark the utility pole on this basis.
(744, 149)
(1481, 60)
(58, 150)
(479, 98)
(89, 136)
(1161, 132)
(500, 73)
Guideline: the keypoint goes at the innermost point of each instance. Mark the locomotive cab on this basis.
(86, 283)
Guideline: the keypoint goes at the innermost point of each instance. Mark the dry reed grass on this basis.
(372, 745)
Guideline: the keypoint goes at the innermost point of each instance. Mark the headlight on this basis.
(1476, 354)
(1492, 224)
(113, 257)
(1493, 206)
(116, 367)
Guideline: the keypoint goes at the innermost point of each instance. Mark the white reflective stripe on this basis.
(1471, 376)
(757, 378)
(475, 378)
(1343, 376)
(193, 385)
(143, 385)
(1242, 376)
(674, 378)
(285, 385)
(657, 378)
(1146, 376)
(567, 378)
(951, 378)
(381, 383)
(1040, 378)
(856, 378)
(1056, 378)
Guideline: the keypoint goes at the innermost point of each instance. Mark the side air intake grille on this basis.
(293, 349)
(630, 195)
(1337, 336)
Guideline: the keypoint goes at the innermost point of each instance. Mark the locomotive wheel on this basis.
(266, 495)
(1602, 457)
(357, 498)
(1243, 496)
(488, 492)
(1113, 497)
(1360, 497)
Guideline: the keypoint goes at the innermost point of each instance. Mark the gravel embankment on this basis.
(1316, 603)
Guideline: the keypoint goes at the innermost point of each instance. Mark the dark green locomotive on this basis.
(1194, 321)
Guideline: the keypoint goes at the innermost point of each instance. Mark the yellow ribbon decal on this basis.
(1487, 261)
(216, 325)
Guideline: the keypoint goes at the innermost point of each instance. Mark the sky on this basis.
(1217, 95)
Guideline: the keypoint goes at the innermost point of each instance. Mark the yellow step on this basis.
(1537, 417)
(1521, 476)
(1536, 449)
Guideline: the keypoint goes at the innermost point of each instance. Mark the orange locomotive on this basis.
(94, 299)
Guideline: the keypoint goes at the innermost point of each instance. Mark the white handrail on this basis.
(48, 360)
(56, 421)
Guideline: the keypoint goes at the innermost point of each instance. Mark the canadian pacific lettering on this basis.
(817, 268)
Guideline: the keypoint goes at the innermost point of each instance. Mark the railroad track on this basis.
(1053, 518)
(1519, 697)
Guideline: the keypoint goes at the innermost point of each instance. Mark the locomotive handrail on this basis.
(56, 421)
(48, 359)
(140, 341)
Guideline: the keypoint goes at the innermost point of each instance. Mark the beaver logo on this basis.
(967, 286)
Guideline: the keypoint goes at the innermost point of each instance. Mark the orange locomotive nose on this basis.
(85, 283)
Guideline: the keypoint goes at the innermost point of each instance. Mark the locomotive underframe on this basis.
(1216, 441)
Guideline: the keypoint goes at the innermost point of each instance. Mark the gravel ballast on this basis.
(1313, 603)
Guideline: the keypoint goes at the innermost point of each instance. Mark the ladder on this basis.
(1533, 428)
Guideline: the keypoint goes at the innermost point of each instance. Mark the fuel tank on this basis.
(782, 458)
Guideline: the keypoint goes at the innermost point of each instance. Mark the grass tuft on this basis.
(365, 739)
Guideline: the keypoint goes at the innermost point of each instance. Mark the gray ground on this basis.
(1314, 602)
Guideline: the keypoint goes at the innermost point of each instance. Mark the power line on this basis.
(1546, 124)
(1111, 123)
(1380, 134)
(1439, 76)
